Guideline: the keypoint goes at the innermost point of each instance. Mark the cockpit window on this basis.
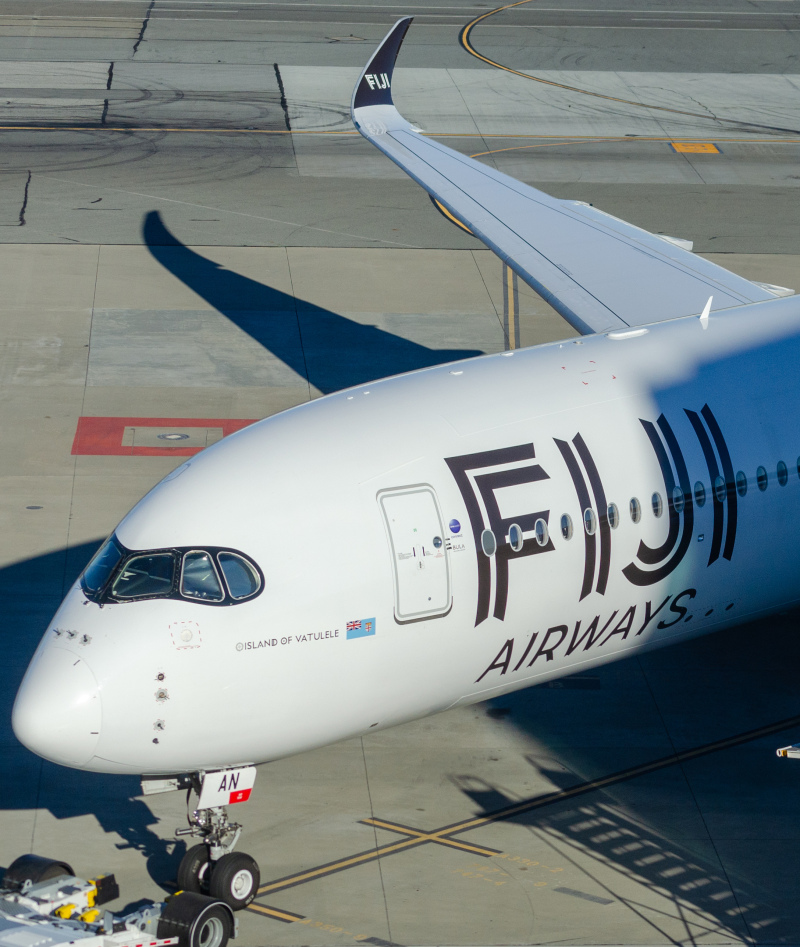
(199, 578)
(241, 578)
(103, 563)
(148, 576)
(210, 576)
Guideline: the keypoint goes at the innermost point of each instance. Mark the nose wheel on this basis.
(212, 867)
(234, 878)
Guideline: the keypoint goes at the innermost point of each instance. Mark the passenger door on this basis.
(420, 561)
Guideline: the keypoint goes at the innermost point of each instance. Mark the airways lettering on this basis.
(557, 635)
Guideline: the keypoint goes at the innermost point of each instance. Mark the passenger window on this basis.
(613, 515)
(542, 533)
(145, 576)
(783, 473)
(720, 491)
(657, 504)
(678, 499)
(240, 577)
(636, 510)
(199, 578)
(566, 526)
(761, 479)
(589, 521)
(741, 483)
(488, 543)
(699, 494)
(515, 538)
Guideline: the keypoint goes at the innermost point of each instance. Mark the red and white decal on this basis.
(226, 787)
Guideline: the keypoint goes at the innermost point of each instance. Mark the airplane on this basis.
(444, 536)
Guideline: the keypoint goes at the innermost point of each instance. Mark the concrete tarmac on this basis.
(189, 229)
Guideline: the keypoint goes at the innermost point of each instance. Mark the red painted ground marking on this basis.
(103, 436)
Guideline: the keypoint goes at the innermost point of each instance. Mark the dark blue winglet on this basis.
(375, 85)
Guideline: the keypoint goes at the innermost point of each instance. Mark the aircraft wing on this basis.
(597, 271)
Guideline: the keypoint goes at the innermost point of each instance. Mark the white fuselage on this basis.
(371, 505)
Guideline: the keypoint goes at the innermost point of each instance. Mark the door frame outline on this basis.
(399, 491)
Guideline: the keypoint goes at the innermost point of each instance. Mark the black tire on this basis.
(196, 920)
(33, 868)
(235, 880)
(194, 871)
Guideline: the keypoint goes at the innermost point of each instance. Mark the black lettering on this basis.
(623, 626)
(488, 484)
(649, 616)
(506, 650)
(234, 781)
(591, 633)
(680, 611)
(582, 491)
(576, 641)
(525, 653)
(543, 649)
(670, 547)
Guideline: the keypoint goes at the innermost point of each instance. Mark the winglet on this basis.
(375, 85)
(705, 312)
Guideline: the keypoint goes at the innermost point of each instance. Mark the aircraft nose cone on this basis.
(57, 711)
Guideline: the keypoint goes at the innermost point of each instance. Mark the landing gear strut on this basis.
(212, 867)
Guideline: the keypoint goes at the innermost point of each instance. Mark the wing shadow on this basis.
(333, 352)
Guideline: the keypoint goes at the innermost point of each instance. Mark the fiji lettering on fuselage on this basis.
(498, 539)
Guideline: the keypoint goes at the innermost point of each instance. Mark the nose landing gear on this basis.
(212, 867)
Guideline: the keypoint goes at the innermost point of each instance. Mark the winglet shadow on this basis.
(323, 347)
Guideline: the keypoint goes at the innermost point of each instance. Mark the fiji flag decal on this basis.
(361, 628)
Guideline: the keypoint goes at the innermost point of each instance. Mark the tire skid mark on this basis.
(25, 200)
(145, 21)
(464, 40)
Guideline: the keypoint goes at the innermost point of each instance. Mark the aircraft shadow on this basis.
(675, 886)
(702, 833)
(333, 352)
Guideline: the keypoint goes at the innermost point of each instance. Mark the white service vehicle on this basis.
(446, 536)
(43, 904)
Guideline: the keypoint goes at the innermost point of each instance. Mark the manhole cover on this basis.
(173, 437)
